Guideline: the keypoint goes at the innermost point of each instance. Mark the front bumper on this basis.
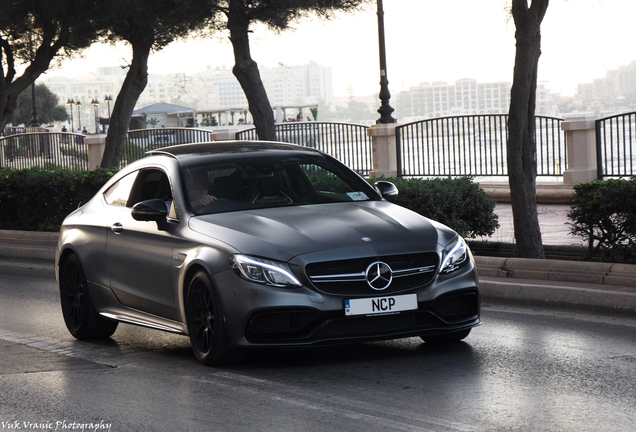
(453, 312)
(257, 315)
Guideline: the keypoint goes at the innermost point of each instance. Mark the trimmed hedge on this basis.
(39, 200)
(604, 214)
(458, 203)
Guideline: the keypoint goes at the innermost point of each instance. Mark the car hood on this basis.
(340, 229)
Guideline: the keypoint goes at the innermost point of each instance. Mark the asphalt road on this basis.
(522, 370)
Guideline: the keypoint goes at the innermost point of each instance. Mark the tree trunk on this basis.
(9, 101)
(10, 89)
(522, 152)
(133, 86)
(246, 72)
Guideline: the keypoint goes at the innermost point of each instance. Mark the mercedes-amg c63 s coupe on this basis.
(260, 244)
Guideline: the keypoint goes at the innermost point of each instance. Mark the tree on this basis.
(47, 106)
(32, 34)
(521, 146)
(146, 25)
(277, 15)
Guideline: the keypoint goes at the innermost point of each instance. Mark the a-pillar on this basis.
(384, 153)
(580, 137)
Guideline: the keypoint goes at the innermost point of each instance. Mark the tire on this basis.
(80, 316)
(446, 337)
(204, 317)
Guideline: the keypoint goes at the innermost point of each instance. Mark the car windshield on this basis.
(262, 182)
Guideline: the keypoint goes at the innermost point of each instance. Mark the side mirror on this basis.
(151, 210)
(387, 189)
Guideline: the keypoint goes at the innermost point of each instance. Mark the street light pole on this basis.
(385, 109)
(70, 103)
(78, 104)
(95, 103)
(34, 114)
(108, 99)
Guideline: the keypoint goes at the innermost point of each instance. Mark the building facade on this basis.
(210, 89)
(618, 83)
(216, 89)
(464, 97)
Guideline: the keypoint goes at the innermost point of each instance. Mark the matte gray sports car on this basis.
(254, 244)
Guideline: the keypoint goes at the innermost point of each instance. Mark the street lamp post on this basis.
(108, 99)
(95, 103)
(79, 114)
(34, 114)
(71, 103)
(385, 109)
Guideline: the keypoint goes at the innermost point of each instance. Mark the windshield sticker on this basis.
(358, 196)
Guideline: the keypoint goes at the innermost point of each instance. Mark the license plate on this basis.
(381, 305)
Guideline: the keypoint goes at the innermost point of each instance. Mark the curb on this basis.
(487, 248)
(28, 244)
(531, 293)
(558, 271)
(545, 193)
(589, 286)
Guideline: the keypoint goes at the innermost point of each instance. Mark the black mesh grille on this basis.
(359, 286)
(453, 307)
(309, 325)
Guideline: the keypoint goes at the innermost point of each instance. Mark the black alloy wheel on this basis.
(205, 323)
(80, 316)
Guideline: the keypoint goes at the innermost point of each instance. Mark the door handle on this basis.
(117, 228)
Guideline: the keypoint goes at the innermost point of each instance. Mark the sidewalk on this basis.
(583, 286)
(553, 219)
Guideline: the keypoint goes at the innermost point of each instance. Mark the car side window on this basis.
(118, 193)
(152, 184)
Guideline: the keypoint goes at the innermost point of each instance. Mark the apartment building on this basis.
(210, 89)
(464, 97)
(617, 83)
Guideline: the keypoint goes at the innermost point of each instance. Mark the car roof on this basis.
(183, 152)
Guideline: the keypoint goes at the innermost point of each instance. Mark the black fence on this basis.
(12, 130)
(46, 150)
(139, 141)
(473, 145)
(348, 143)
(616, 145)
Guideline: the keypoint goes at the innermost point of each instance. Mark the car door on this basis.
(139, 254)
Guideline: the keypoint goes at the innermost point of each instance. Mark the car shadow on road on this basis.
(360, 353)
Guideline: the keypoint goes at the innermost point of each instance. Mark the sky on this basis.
(426, 41)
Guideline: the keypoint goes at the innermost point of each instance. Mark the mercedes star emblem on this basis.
(379, 275)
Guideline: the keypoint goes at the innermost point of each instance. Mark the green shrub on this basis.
(39, 200)
(456, 202)
(604, 214)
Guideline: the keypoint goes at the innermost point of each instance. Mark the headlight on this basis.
(267, 272)
(455, 254)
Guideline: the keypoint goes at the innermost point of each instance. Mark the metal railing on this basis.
(346, 142)
(473, 145)
(151, 139)
(46, 150)
(616, 145)
(139, 141)
(13, 130)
